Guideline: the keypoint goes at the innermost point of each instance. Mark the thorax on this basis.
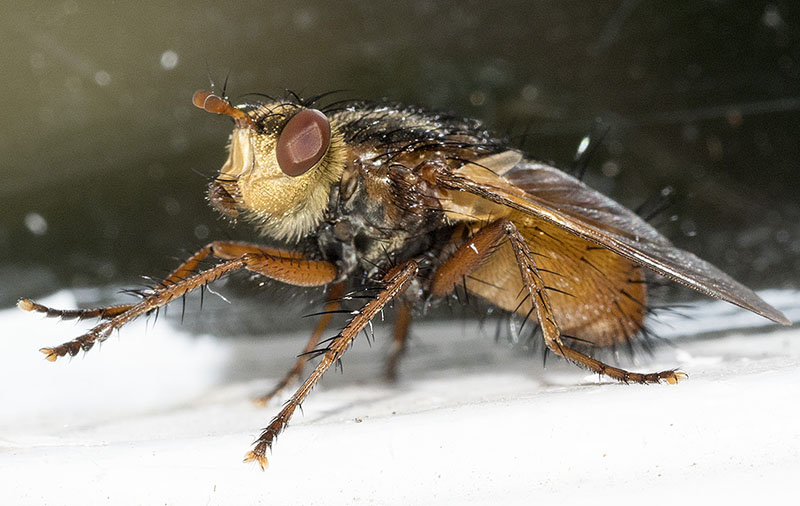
(380, 214)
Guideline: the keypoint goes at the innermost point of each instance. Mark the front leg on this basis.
(286, 266)
(394, 283)
(225, 250)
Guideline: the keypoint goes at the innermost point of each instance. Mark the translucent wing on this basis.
(551, 195)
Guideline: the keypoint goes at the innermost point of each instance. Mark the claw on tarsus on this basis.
(257, 456)
(26, 304)
(676, 377)
(51, 355)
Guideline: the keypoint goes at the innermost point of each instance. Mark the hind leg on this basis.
(472, 254)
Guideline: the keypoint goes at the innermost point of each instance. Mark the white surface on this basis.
(160, 417)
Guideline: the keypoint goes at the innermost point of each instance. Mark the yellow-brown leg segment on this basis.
(289, 268)
(394, 283)
(72, 314)
(399, 339)
(477, 250)
(226, 250)
(335, 293)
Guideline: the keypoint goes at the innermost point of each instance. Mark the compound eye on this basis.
(303, 142)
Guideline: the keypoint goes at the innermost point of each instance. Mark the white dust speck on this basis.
(37, 61)
(70, 7)
(201, 231)
(102, 78)
(530, 93)
(178, 143)
(691, 133)
(169, 60)
(304, 19)
(171, 205)
(36, 223)
(610, 169)
(771, 17)
(477, 98)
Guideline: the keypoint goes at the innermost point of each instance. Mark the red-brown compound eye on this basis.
(303, 141)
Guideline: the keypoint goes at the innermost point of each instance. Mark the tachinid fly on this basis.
(420, 203)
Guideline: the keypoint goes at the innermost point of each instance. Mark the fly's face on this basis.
(283, 161)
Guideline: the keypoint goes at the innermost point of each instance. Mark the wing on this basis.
(549, 194)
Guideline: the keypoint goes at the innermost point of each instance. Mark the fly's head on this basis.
(283, 161)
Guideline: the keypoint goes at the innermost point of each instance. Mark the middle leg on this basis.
(399, 340)
(394, 283)
(335, 293)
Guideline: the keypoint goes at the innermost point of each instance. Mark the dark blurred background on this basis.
(103, 153)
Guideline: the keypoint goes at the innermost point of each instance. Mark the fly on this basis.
(419, 203)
